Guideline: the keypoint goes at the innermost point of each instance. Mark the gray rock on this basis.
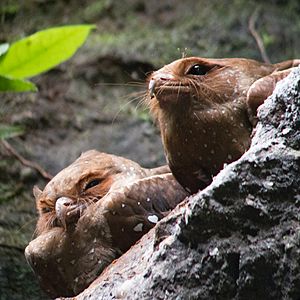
(237, 239)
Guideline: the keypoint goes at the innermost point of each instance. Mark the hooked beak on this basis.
(151, 88)
(67, 211)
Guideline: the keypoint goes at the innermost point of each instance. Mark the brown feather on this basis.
(93, 211)
(261, 89)
(205, 118)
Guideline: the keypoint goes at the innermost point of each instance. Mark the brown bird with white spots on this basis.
(92, 212)
(206, 110)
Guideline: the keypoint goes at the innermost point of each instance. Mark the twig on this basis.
(258, 39)
(26, 162)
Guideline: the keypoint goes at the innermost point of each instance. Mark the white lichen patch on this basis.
(214, 252)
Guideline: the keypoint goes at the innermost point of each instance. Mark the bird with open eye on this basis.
(90, 213)
(206, 110)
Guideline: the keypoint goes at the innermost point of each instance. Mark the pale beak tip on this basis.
(151, 88)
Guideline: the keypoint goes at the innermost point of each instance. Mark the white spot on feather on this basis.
(153, 219)
(138, 227)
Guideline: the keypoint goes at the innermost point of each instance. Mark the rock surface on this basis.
(237, 239)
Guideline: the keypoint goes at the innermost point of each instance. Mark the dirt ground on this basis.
(94, 101)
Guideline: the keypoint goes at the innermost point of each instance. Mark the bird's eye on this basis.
(198, 70)
(46, 210)
(92, 183)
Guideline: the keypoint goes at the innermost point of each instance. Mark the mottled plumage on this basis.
(206, 109)
(92, 212)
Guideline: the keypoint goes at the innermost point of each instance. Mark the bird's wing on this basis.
(261, 89)
(133, 210)
(287, 64)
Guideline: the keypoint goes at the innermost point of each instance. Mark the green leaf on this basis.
(3, 48)
(16, 85)
(43, 50)
(8, 131)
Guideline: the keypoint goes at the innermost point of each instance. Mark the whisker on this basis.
(128, 84)
(122, 108)
(27, 224)
(136, 94)
(196, 88)
(142, 84)
(178, 92)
